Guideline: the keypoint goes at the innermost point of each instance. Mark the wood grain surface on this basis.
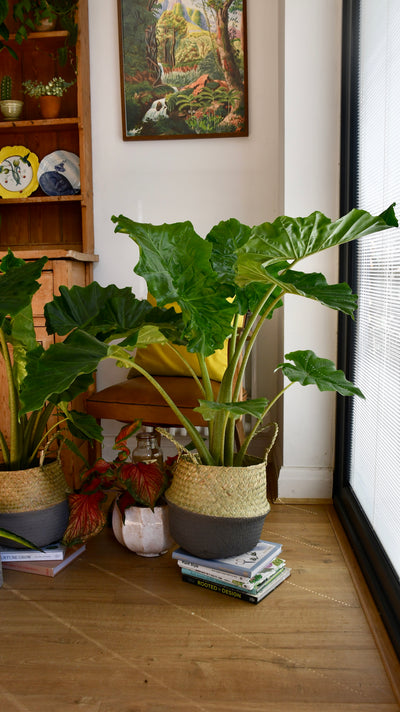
(115, 632)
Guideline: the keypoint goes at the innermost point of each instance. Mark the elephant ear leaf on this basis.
(175, 262)
(294, 239)
(308, 369)
(254, 407)
(18, 283)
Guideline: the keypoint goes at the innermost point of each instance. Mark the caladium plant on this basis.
(132, 483)
(236, 270)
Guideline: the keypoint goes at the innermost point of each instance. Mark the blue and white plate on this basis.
(59, 173)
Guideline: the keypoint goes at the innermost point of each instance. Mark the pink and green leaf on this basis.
(144, 481)
(86, 517)
(124, 502)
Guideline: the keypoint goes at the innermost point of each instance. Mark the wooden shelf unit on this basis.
(60, 227)
(38, 220)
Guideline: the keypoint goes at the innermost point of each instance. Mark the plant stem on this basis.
(242, 452)
(221, 441)
(207, 390)
(201, 448)
(191, 372)
(251, 335)
(4, 449)
(12, 398)
(45, 436)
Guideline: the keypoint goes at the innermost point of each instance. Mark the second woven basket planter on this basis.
(217, 511)
(33, 503)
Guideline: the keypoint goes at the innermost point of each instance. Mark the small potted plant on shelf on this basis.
(33, 500)
(39, 16)
(49, 94)
(235, 270)
(10, 108)
(133, 490)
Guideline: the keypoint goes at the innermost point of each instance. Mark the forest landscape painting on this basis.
(183, 68)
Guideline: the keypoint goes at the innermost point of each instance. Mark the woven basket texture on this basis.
(34, 489)
(220, 491)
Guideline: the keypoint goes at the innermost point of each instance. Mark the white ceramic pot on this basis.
(144, 531)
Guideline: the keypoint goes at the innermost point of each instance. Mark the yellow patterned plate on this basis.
(18, 172)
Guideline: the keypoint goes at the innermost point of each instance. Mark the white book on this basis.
(46, 567)
(247, 564)
(53, 552)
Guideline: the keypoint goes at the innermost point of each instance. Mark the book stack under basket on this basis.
(248, 577)
(47, 561)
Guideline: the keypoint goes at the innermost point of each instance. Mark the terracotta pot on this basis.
(217, 512)
(50, 106)
(144, 531)
(33, 503)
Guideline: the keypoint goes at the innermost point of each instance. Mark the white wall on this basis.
(312, 135)
(204, 180)
(207, 180)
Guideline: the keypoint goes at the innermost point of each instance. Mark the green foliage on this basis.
(54, 87)
(308, 369)
(29, 13)
(10, 536)
(132, 483)
(195, 17)
(4, 31)
(236, 270)
(30, 432)
(210, 65)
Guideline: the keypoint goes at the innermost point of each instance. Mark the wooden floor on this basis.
(115, 632)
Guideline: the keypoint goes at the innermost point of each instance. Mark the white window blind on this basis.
(375, 449)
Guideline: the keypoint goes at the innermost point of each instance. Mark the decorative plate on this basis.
(18, 172)
(59, 173)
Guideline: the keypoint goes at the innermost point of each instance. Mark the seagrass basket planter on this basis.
(33, 503)
(219, 511)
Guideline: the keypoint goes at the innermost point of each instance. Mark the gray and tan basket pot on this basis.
(33, 503)
(219, 511)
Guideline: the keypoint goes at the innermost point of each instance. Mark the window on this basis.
(367, 479)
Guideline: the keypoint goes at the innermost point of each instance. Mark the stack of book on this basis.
(46, 562)
(249, 577)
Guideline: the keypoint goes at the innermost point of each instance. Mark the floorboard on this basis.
(115, 632)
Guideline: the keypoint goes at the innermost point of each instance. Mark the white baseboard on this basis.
(305, 483)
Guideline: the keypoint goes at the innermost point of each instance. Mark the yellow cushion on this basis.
(161, 360)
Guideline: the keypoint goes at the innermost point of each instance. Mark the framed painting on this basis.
(183, 69)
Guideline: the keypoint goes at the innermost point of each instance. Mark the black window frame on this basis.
(378, 571)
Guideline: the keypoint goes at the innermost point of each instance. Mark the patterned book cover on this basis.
(240, 581)
(247, 564)
(232, 591)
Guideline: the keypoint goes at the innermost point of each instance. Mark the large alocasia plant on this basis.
(235, 270)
